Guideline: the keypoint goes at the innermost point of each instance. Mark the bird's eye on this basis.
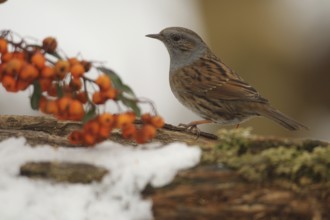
(176, 37)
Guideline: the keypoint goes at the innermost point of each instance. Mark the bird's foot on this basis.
(191, 128)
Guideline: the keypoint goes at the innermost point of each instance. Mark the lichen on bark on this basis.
(263, 159)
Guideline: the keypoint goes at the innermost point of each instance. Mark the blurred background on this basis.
(280, 47)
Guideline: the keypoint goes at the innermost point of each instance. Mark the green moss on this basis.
(259, 159)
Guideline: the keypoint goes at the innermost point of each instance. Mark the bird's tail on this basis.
(282, 119)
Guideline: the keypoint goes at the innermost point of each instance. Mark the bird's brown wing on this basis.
(211, 78)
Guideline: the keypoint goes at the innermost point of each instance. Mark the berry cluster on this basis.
(98, 129)
(60, 89)
(15, 73)
(25, 66)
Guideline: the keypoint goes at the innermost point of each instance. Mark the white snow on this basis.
(116, 197)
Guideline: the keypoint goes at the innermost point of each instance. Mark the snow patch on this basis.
(116, 197)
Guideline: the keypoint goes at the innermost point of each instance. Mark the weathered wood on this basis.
(47, 130)
(212, 192)
(63, 171)
(227, 184)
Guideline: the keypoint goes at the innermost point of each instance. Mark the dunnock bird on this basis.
(205, 85)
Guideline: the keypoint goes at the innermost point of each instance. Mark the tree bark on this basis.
(218, 188)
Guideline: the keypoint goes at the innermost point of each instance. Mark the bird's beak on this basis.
(156, 36)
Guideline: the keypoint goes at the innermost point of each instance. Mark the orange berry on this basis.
(109, 94)
(75, 137)
(104, 132)
(149, 131)
(22, 85)
(82, 97)
(75, 84)
(38, 60)
(146, 118)
(91, 127)
(45, 84)
(125, 119)
(97, 98)
(62, 67)
(76, 110)
(48, 72)
(3, 46)
(140, 139)
(51, 107)
(28, 73)
(19, 55)
(52, 90)
(129, 131)
(42, 104)
(6, 57)
(157, 121)
(49, 44)
(77, 70)
(2, 67)
(146, 133)
(89, 139)
(13, 66)
(67, 89)
(106, 120)
(73, 61)
(103, 82)
(63, 104)
(9, 83)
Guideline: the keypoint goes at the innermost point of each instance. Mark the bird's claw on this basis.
(191, 128)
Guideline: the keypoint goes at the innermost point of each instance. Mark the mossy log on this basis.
(241, 176)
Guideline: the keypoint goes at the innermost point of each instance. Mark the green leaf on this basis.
(59, 90)
(124, 90)
(127, 89)
(91, 113)
(36, 95)
(117, 82)
(131, 103)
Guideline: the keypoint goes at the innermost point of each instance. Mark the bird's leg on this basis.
(192, 126)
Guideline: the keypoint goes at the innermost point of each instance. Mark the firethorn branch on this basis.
(60, 88)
